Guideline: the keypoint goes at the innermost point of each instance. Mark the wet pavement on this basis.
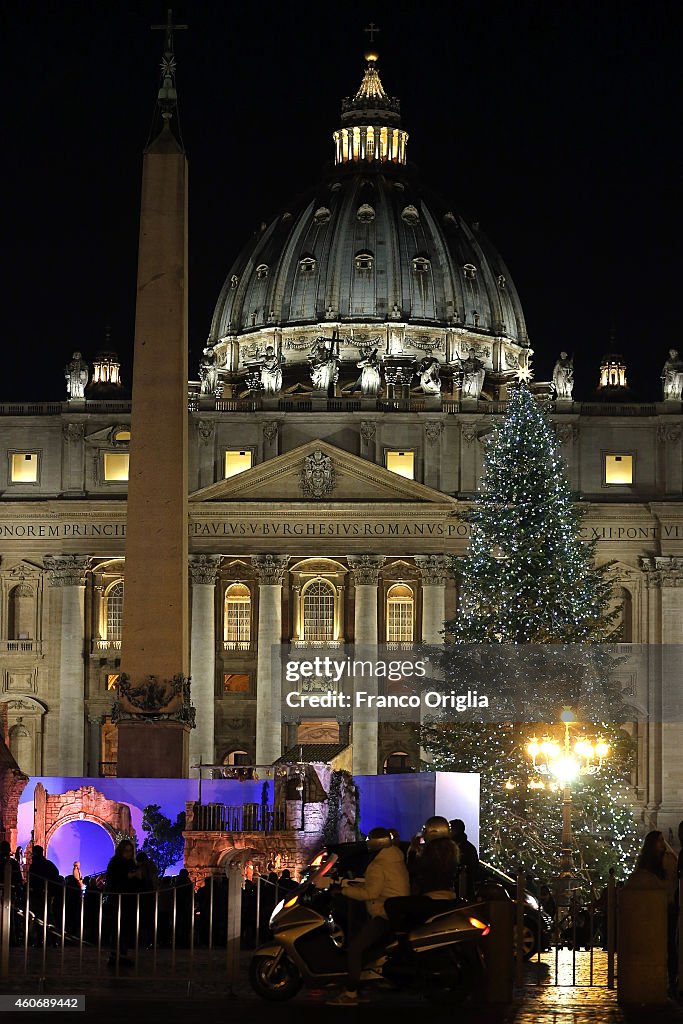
(547, 996)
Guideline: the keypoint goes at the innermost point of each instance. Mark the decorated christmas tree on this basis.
(534, 631)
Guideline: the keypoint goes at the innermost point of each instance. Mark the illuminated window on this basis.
(24, 467)
(236, 462)
(235, 683)
(115, 612)
(402, 463)
(400, 614)
(112, 680)
(318, 611)
(618, 469)
(237, 623)
(470, 271)
(121, 434)
(364, 261)
(262, 272)
(116, 465)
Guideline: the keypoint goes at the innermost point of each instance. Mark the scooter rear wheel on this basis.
(276, 983)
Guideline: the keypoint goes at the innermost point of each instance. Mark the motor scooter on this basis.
(441, 956)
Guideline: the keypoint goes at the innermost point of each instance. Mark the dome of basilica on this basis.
(371, 257)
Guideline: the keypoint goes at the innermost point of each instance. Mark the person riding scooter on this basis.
(433, 865)
(385, 877)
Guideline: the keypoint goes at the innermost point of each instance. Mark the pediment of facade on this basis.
(320, 472)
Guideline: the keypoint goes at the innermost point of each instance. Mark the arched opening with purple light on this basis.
(80, 840)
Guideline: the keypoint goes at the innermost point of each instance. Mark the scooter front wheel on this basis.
(275, 979)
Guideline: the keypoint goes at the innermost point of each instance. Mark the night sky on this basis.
(556, 125)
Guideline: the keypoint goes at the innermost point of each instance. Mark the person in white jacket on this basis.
(385, 876)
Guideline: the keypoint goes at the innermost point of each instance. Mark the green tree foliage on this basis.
(533, 631)
(164, 840)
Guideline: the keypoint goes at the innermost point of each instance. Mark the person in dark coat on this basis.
(17, 884)
(182, 884)
(469, 858)
(122, 884)
(41, 874)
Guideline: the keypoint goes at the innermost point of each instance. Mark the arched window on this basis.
(261, 272)
(397, 763)
(237, 757)
(20, 613)
(400, 614)
(365, 213)
(318, 611)
(470, 271)
(115, 612)
(237, 622)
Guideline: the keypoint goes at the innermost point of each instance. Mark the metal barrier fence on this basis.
(48, 928)
(578, 950)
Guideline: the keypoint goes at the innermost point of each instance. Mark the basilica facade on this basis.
(360, 351)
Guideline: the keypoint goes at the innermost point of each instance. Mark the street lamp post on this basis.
(565, 765)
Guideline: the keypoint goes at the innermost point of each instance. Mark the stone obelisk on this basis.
(153, 712)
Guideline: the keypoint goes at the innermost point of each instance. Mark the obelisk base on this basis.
(153, 750)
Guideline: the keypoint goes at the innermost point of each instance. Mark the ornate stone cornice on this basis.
(204, 568)
(73, 431)
(66, 570)
(566, 432)
(663, 571)
(669, 433)
(270, 569)
(368, 429)
(206, 429)
(433, 569)
(366, 568)
(433, 430)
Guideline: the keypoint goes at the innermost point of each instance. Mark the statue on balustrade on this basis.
(563, 376)
(369, 379)
(208, 371)
(473, 374)
(429, 372)
(325, 360)
(271, 371)
(672, 377)
(77, 375)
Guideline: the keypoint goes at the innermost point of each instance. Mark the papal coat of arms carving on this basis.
(317, 475)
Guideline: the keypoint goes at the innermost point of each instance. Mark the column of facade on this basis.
(665, 703)
(203, 571)
(433, 570)
(365, 570)
(271, 570)
(67, 572)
